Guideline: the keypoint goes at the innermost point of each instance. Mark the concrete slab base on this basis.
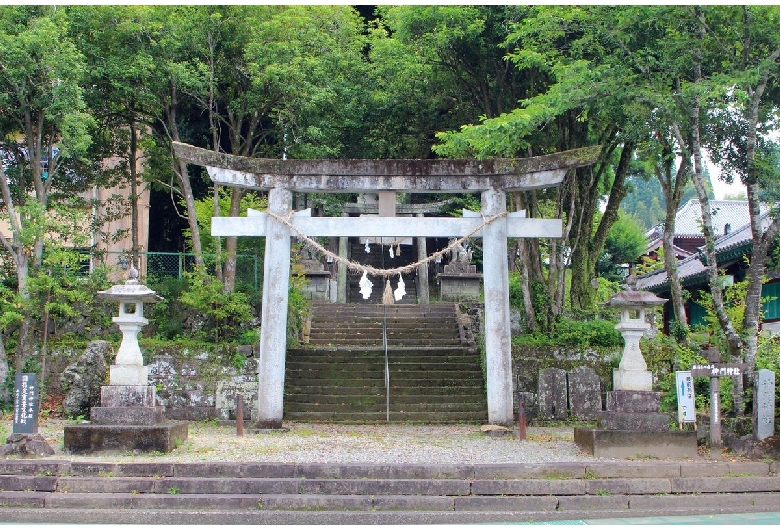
(636, 444)
(88, 438)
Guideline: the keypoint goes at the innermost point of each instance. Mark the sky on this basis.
(722, 189)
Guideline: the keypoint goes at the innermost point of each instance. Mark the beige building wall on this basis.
(122, 247)
(118, 253)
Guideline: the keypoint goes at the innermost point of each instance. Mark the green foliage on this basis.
(582, 334)
(625, 243)
(679, 330)
(768, 358)
(224, 315)
(734, 302)
(648, 264)
(204, 211)
(664, 355)
(297, 306)
(540, 297)
(167, 317)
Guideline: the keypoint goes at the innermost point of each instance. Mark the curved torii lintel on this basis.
(421, 176)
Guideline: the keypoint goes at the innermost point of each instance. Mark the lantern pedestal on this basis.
(128, 418)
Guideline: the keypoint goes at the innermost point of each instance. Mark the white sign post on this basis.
(686, 402)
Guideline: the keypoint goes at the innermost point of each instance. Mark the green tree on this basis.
(745, 48)
(280, 81)
(119, 67)
(43, 124)
(625, 243)
(569, 105)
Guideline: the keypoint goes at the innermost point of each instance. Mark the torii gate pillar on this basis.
(498, 348)
(273, 339)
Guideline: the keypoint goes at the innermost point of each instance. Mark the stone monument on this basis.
(128, 417)
(552, 394)
(633, 423)
(317, 278)
(460, 280)
(764, 407)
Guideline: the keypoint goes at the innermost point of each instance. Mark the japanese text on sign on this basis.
(26, 404)
(686, 407)
(717, 370)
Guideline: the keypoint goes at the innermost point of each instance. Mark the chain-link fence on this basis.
(160, 265)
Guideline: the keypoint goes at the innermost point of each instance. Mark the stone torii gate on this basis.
(280, 178)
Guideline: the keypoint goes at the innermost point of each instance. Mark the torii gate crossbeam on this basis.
(491, 177)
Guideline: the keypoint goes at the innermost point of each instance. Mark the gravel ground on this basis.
(336, 443)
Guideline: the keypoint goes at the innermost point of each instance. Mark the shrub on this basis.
(567, 332)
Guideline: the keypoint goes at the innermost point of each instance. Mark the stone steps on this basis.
(462, 363)
(165, 493)
(340, 374)
(393, 339)
(397, 399)
(324, 393)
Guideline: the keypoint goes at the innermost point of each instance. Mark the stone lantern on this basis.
(129, 368)
(128, 417)
(633, 423)
(632, 373)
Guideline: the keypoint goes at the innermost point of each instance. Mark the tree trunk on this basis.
(589, 245)
(672, 186)
(180, 169)
(192, 218)
(762, 240)
(133, 195)
(530, 312)
(231, 245)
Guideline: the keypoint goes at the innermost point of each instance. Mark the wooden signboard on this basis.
(718, 369)
(714, 370)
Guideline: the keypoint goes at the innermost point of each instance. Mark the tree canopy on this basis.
(656, 87)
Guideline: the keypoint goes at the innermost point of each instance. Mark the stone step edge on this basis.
(313, 502)
(44, 469)
(353, 517)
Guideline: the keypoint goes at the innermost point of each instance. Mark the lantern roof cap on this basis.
(130, 291)
(631, 297)
(635, 299)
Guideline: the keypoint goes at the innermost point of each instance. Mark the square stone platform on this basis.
(128, 420)
(88, 437)
(613, 443)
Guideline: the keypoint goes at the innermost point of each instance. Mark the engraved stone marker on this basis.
(26, 404)
(584, 392)
(228, 391)
(765, 405)
(552, 394)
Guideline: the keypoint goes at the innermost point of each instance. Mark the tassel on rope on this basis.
(391, 252)
(387, 296)
(398, 249)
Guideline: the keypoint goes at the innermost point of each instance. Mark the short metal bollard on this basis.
(521, 417)
(239, 415)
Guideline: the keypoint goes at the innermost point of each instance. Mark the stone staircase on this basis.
(159, 492)
(435, 375)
